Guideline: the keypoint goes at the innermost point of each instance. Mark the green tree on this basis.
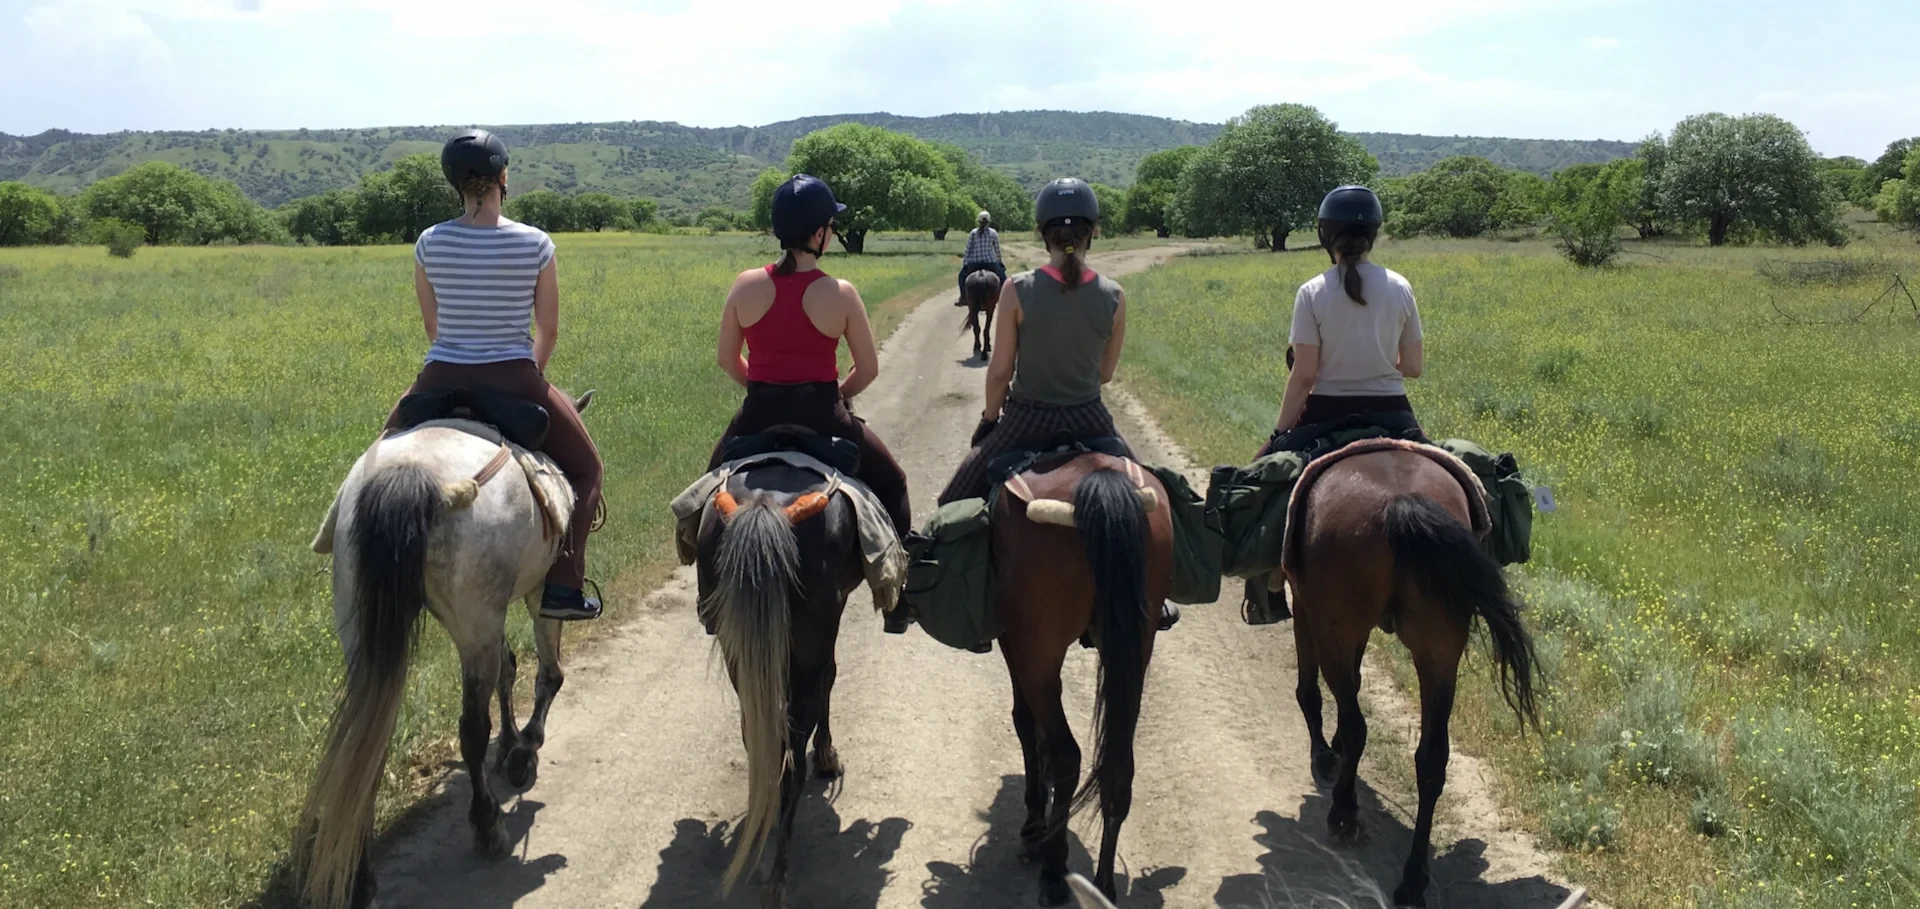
(1588, 203)
(721, 218)
(1891, 165)
(1521, 202)
(984, 189)
(597, 211)
(173, 205)
(763, 190)
(1746, 177)
(1274, 165)
(1843, 177)
(545, 209)
(329, 219)
(1113, 207)
(402, 202)
(642, 213)
(27, 215)
(1203, 205)
(887, 180)
(1898, 201)
(1454, 198)
(1155, 183)
(1647, 218)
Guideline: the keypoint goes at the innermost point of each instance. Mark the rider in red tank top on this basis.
(783, 347)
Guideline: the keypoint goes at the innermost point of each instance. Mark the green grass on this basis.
(1726, 598)
(176, 424)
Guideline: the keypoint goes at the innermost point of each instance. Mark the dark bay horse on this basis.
(1385, 541)
(982, 294)
(778, 558)
(1090, 551)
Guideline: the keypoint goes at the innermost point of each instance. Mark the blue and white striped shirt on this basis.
(483, 281)
(983, 247)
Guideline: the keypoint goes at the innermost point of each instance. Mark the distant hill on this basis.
(692, 167)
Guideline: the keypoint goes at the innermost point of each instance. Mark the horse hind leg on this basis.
(1437, 661)
(1325, 763)
(480, 677)
(826, 759)
(1349, 742)
(523, 761)
(509, 732)
(1033, 831)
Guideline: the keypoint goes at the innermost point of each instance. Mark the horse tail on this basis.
(1113, 529)
(757, 563)
(1443, 558)
(394, 513)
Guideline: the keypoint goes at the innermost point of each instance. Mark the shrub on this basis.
(120, 238)
(1579, 822)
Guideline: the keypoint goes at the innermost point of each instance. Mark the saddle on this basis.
(518, 421)
(1041, 457)
(838, 453)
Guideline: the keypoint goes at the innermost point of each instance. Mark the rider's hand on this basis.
(980, 432)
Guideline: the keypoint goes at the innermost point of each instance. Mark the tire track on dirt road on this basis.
(643, 769)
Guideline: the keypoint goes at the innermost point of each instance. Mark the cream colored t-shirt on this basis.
(1359, 345)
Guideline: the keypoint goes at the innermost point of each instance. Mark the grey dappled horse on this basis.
(777, 560)
(411, 530)
(982, 293)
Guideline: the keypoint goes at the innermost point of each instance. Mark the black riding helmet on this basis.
(1351, 205)
(1068, 200)
(801, 206)
(474, 153)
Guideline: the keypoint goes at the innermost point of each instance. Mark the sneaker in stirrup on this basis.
(569, 604)
(1169, 615)
(1263, 606)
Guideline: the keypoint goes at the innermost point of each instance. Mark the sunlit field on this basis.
(1726, 598)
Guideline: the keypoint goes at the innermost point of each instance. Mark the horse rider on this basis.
(1060, 333)
(1355, 340)
(483, 280)
(791, 317)
(983, 253)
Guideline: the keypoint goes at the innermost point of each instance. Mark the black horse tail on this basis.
(394, 514)
(1442, 557)
(756, 564)
(1113, 529)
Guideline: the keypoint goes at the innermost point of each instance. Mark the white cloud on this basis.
(74, 33)
(1601, 43)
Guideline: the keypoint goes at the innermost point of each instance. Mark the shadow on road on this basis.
(1304, 868)
(828, 865)
(995, 876)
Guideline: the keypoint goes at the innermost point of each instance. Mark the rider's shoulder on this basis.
(1397, 279)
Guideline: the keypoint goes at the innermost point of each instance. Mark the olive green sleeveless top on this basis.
(1063, 334)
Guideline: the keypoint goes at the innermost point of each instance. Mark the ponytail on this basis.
(1346, 247)
(786, 264)
(1073, 239)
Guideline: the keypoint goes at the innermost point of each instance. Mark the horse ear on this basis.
(580, 405)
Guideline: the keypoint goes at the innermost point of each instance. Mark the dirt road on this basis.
(643, 768)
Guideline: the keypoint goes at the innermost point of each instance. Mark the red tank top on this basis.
(783, 347)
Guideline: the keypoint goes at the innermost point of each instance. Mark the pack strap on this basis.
(494, 466)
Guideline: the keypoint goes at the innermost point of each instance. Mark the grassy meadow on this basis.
(175, 426)
(1725, 599)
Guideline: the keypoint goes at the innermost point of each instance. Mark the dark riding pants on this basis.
(819, 407)
(567, 443)
(972, 267)
(1024, 423)
(1326, 414)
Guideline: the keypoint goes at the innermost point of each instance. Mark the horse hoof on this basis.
(1054, 892)
(523, 768)
(1343, 826)
(1406, 896)
(826, 765)
(492, 842)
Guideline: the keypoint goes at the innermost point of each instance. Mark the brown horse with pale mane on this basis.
(1082, 550)
(1387, 538)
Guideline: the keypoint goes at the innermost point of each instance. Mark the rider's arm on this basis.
(859, 335)
(1306, 368)
(546, 313)
(1110, 358)
(1006, 346)
(1413, 348)
(733, 336)
(429, 305)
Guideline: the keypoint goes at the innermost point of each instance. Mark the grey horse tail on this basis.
(757, 563)
(394, 513)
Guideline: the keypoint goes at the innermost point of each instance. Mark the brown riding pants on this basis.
(567, 443)
(819, 407)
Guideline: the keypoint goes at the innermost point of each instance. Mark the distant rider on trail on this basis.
(1355, 339)
(983, 254)
(483, 280)
(791, 317)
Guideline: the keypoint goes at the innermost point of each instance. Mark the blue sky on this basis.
(1841, 69)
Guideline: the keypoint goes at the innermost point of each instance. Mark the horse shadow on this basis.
(1305, 867)
(995, 876)
(829, 865)
(474, 881)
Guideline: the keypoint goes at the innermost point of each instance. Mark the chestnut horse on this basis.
(1386, 541)
(1085, 549)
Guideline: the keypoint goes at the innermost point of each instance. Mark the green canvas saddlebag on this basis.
(1249, 505)
(1198, 547)
(1509, 501)
(950, 577)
